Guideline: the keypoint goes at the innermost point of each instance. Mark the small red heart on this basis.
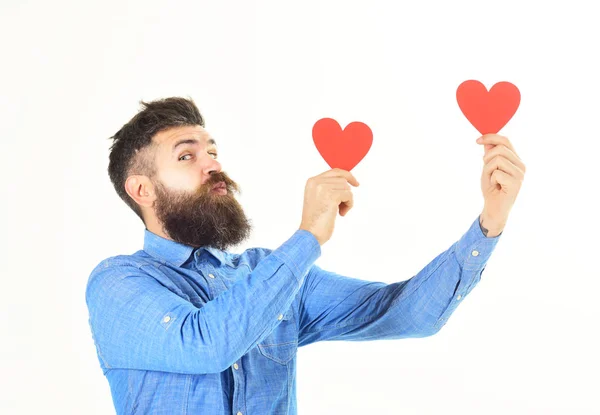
(342, 149)
(488, 111)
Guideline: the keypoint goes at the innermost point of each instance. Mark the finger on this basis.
(495, 139)
(343, 208)
(334, 189)
(337, 172)
(506, 181)
(502, 150)
(337, 183)
(345, 197)
(501, 163)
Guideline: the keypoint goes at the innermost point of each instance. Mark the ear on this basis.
(140, 189)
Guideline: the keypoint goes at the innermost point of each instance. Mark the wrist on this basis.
(307, 229)
(489, 227)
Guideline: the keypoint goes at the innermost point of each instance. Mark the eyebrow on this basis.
(191, 141)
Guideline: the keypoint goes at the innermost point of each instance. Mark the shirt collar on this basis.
(177, 253)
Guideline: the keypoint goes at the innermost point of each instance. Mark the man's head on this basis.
(163, 164)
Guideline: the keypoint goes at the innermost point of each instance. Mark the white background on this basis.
(525, 341)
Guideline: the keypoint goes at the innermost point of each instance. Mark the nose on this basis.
(212, 166)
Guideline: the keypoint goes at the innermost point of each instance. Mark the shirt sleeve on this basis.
(337, 307)
(137, 323)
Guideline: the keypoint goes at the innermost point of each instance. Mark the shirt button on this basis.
(475, 253)
(458, 297)
(280, 317)
(239, 413)
(167, 319)
(235, 366)
(210, 275)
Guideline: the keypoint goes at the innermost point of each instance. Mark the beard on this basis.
(202, 218)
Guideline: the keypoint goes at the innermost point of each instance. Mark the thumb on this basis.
(487, 147)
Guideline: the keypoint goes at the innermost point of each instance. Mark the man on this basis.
(186, 327)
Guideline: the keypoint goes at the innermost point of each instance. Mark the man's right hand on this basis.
(325, 195)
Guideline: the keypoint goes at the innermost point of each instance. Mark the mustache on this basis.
(221, 177)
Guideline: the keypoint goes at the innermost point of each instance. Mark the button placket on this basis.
(167, 320)
(210, 274)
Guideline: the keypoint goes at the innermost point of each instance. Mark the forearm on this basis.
(336, 307)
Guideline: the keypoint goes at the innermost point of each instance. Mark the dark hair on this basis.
(133, 150)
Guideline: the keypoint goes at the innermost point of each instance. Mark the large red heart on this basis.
(488, 111)
(342, 149)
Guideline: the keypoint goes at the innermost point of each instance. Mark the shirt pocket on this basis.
(282, 343)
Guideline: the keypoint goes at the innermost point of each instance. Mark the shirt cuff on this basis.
(474, 249)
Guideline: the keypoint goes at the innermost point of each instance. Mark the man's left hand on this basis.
(503, 174)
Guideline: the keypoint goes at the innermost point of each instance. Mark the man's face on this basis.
(187, 207)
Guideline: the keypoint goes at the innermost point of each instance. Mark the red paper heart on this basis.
(342, 149)
(488, 111)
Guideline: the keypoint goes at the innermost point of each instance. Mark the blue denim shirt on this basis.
(180, 330)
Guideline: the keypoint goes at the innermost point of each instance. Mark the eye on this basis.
(215, 154)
